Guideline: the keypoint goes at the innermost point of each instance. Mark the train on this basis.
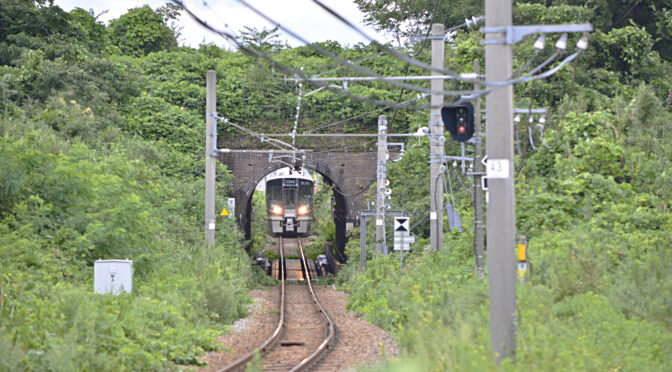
(289, 201)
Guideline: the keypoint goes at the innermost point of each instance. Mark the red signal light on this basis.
(461, 129)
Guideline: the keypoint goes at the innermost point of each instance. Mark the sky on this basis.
(300, 16)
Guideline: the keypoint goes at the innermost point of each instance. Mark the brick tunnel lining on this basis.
(351, 174)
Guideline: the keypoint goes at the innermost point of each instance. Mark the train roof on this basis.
(288, 173)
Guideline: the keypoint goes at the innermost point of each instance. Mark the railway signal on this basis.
(459, 121)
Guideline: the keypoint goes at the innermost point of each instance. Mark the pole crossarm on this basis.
(466, 76)
(370, 213)
(529, 111)
(516, 34)
(342, 135)
(263, 151)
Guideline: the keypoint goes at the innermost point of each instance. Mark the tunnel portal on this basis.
(349, 173)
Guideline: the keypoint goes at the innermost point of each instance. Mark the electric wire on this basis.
(233, 32)
(456, 75)
(422, 47)
(290, 71)
(385, 48)
(526, 64)
(467, 23)
(450, 185)
(467, 96)
(364, 114)
(543, 64)
(354, 66)
(340, 66)
(415, 62)
(459, 179)
(529, 131)
(298, 111)
(271, 141)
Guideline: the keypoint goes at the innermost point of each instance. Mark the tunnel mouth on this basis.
(339, 212)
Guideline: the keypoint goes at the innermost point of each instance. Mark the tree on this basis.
(407, 17)
(142, 31)
(263, 40)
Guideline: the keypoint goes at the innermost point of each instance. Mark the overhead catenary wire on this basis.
(419, 97)
(262, 55)
(360, 69)
(233, 32)
(340, 66)
(400, 56)
(290, 71)
(422, 47)
(467, 23)
(385, 48)
(271, 141)
(298, 111)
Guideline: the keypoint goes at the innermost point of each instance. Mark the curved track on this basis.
(304, 330)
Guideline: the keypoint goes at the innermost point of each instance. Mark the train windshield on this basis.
(274, 190)
(289, 195)
(305, 190)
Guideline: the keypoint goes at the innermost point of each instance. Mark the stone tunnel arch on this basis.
(349, 174)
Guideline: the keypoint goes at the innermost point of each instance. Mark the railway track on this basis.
(304, 330)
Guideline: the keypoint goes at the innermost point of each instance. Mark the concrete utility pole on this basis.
(381, 187)
(436, 145)
(210, 156)
(501, 213)
(478, 176)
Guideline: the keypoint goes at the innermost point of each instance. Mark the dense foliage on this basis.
(100, 159)
(101, 135)
(594, 207)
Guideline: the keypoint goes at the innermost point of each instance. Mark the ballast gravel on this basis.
(358, 343)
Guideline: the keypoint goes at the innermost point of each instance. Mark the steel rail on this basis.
(305, 363)
(279, 330)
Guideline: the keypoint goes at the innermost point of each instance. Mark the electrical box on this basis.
(113, 276)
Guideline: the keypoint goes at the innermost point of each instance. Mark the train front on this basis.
(289, 202)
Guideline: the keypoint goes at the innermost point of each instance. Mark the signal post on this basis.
(436, 143)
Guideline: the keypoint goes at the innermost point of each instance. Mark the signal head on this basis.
(459, 120)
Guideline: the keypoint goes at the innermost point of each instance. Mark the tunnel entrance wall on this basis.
(350, 173)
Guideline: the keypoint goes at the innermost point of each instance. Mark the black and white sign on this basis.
(402, 224)
(402, 234)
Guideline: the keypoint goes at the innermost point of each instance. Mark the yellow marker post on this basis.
(522, 252)
(522, 258)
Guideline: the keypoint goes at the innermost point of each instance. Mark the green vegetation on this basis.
(594, 207)
(323, 225)
(101, 157)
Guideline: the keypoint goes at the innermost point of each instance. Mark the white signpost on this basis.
(232, 206)
(402, 236)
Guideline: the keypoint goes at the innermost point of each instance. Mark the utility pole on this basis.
(501, 213)
(210, 156)
(381, 187)
(436, 143)
(478, 177)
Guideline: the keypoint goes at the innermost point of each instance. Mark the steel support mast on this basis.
(501, 213)
(381, 187)
(435, 143)
(210, 156)
(478, 176)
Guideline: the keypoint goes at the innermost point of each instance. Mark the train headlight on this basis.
(302, 209)
(276, 209)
